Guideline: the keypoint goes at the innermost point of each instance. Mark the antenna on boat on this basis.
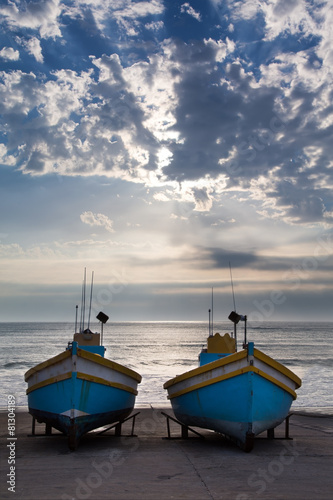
(81, 314)
(245, 323)
(233, 316)
(212, 312)
(83, 301)
(232, 287)
(76, 309)
(209, 330)
(84, 295)
(91, 291)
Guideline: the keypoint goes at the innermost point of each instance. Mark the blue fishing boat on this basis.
(238, 394)
(79, 389)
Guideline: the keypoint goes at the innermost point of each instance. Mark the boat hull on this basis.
(240, 396)
(78, 391)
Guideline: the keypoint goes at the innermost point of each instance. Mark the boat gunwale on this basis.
(81, 376)
(235, 373)
(96, 358)
(230, 359)
(205, 368)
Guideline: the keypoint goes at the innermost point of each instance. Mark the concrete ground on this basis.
(149, 467)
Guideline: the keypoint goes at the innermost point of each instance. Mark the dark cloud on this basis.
(265, 130)
(222, 259)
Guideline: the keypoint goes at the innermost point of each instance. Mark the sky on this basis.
(160, 144)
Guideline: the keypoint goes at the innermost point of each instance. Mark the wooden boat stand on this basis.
(48, 429)
(116, 427)
(270, 432)
(184, 428)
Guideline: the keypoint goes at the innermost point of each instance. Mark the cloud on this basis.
(127, 14)
(41, 16)
(219, 258)
(34, 48)
(188, 9)
(9, 54)
(155, 26)
(161, 197)
(203, 200)
(191, 112)
(12, 250)
(99, 220)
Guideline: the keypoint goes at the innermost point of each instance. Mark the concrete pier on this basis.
(150, 467)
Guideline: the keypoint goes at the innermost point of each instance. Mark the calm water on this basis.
(161, 350)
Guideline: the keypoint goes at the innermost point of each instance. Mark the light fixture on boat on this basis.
(234, 317)
(103, 319)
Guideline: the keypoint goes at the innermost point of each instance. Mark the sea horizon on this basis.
(160, 350)
(172, 321)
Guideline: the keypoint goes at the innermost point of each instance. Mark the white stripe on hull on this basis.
(54, 370)
(88, 367)
(96, 370)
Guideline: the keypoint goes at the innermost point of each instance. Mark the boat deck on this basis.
(147, 466)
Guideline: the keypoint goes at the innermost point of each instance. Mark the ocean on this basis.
(162, 350)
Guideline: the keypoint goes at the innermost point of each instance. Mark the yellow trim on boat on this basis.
(274, 381)
(241, 371)
(109, 364)
(51, 380)
(206, 368)
(82, 376)
(278, 366)
(99, 380)
(45, 364)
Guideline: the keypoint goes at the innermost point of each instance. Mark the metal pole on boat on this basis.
(84, 296)
(209, 332)
(233, 297)
(245, 323)
(235, 318)
(91, 291)
(212, 311)
(76, 310)
(235, 335)
(81, 315)
(232, 287)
